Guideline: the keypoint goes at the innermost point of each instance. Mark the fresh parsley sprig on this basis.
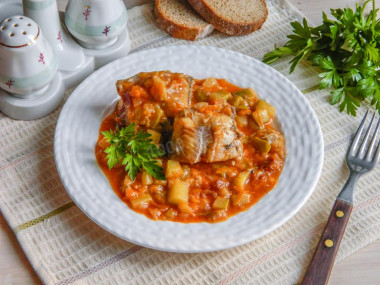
(346, 50)
(135, 151)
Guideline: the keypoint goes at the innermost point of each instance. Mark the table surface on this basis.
(360, 268)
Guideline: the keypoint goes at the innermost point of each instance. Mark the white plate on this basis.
(77, 133)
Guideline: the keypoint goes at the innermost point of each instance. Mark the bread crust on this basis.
(177, 30)
(224, 25)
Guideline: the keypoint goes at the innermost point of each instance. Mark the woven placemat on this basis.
(65, 247)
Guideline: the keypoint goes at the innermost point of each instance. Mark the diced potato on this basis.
(178, 192)
(155, 136)
(260, 117)
(220, 203)
(253, 125)
(210, 82)
(146, 178)
(238, 102)
(240, 199)
(171, 213)
(264, 113)
(185, 208)
(249, 94)
(222, 171)
(261, 145)
(245, 199)
(263, 105)
(224, 192)
(173, 169)
(142, 202)
(221, 94)
(242, 121)
(275, 139)
(158, 89)
(201, 95)
(241, 179)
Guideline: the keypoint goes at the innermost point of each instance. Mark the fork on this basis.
(361, 158)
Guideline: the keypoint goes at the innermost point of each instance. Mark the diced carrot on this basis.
(137, 91)
(209, 109)
(244, 112)
(158, 89)
(193, 200)
(129, 193)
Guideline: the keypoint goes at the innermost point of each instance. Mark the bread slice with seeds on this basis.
(234, 17)
(180, 20)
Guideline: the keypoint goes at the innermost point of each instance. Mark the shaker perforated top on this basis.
(18, 31)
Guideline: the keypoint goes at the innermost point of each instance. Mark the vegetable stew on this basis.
(220, 150)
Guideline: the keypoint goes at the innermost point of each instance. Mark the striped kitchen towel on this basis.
(65, 247)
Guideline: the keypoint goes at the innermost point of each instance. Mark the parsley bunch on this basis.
(345, 49)
(135, 151)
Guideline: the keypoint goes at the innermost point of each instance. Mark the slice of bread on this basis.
(180, 20)
(233, 17)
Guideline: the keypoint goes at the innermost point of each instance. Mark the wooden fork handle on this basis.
(323, 260)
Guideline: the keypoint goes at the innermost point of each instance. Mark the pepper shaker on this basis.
(96, 24)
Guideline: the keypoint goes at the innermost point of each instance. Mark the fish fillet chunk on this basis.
(205, 137)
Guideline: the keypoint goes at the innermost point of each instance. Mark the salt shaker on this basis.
(27, 61)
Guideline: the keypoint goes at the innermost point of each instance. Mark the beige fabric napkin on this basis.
(66, 247)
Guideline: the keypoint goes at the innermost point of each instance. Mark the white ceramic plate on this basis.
(77, 133)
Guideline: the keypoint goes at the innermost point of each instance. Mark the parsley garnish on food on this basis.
(135, 151)
(346, 50)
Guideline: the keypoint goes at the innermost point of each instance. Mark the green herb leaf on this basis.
(134, 151)
(345, 50)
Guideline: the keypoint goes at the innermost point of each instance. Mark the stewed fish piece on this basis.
(149, 98)
(208, 137)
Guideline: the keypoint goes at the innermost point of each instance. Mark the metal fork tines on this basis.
(362, 155)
